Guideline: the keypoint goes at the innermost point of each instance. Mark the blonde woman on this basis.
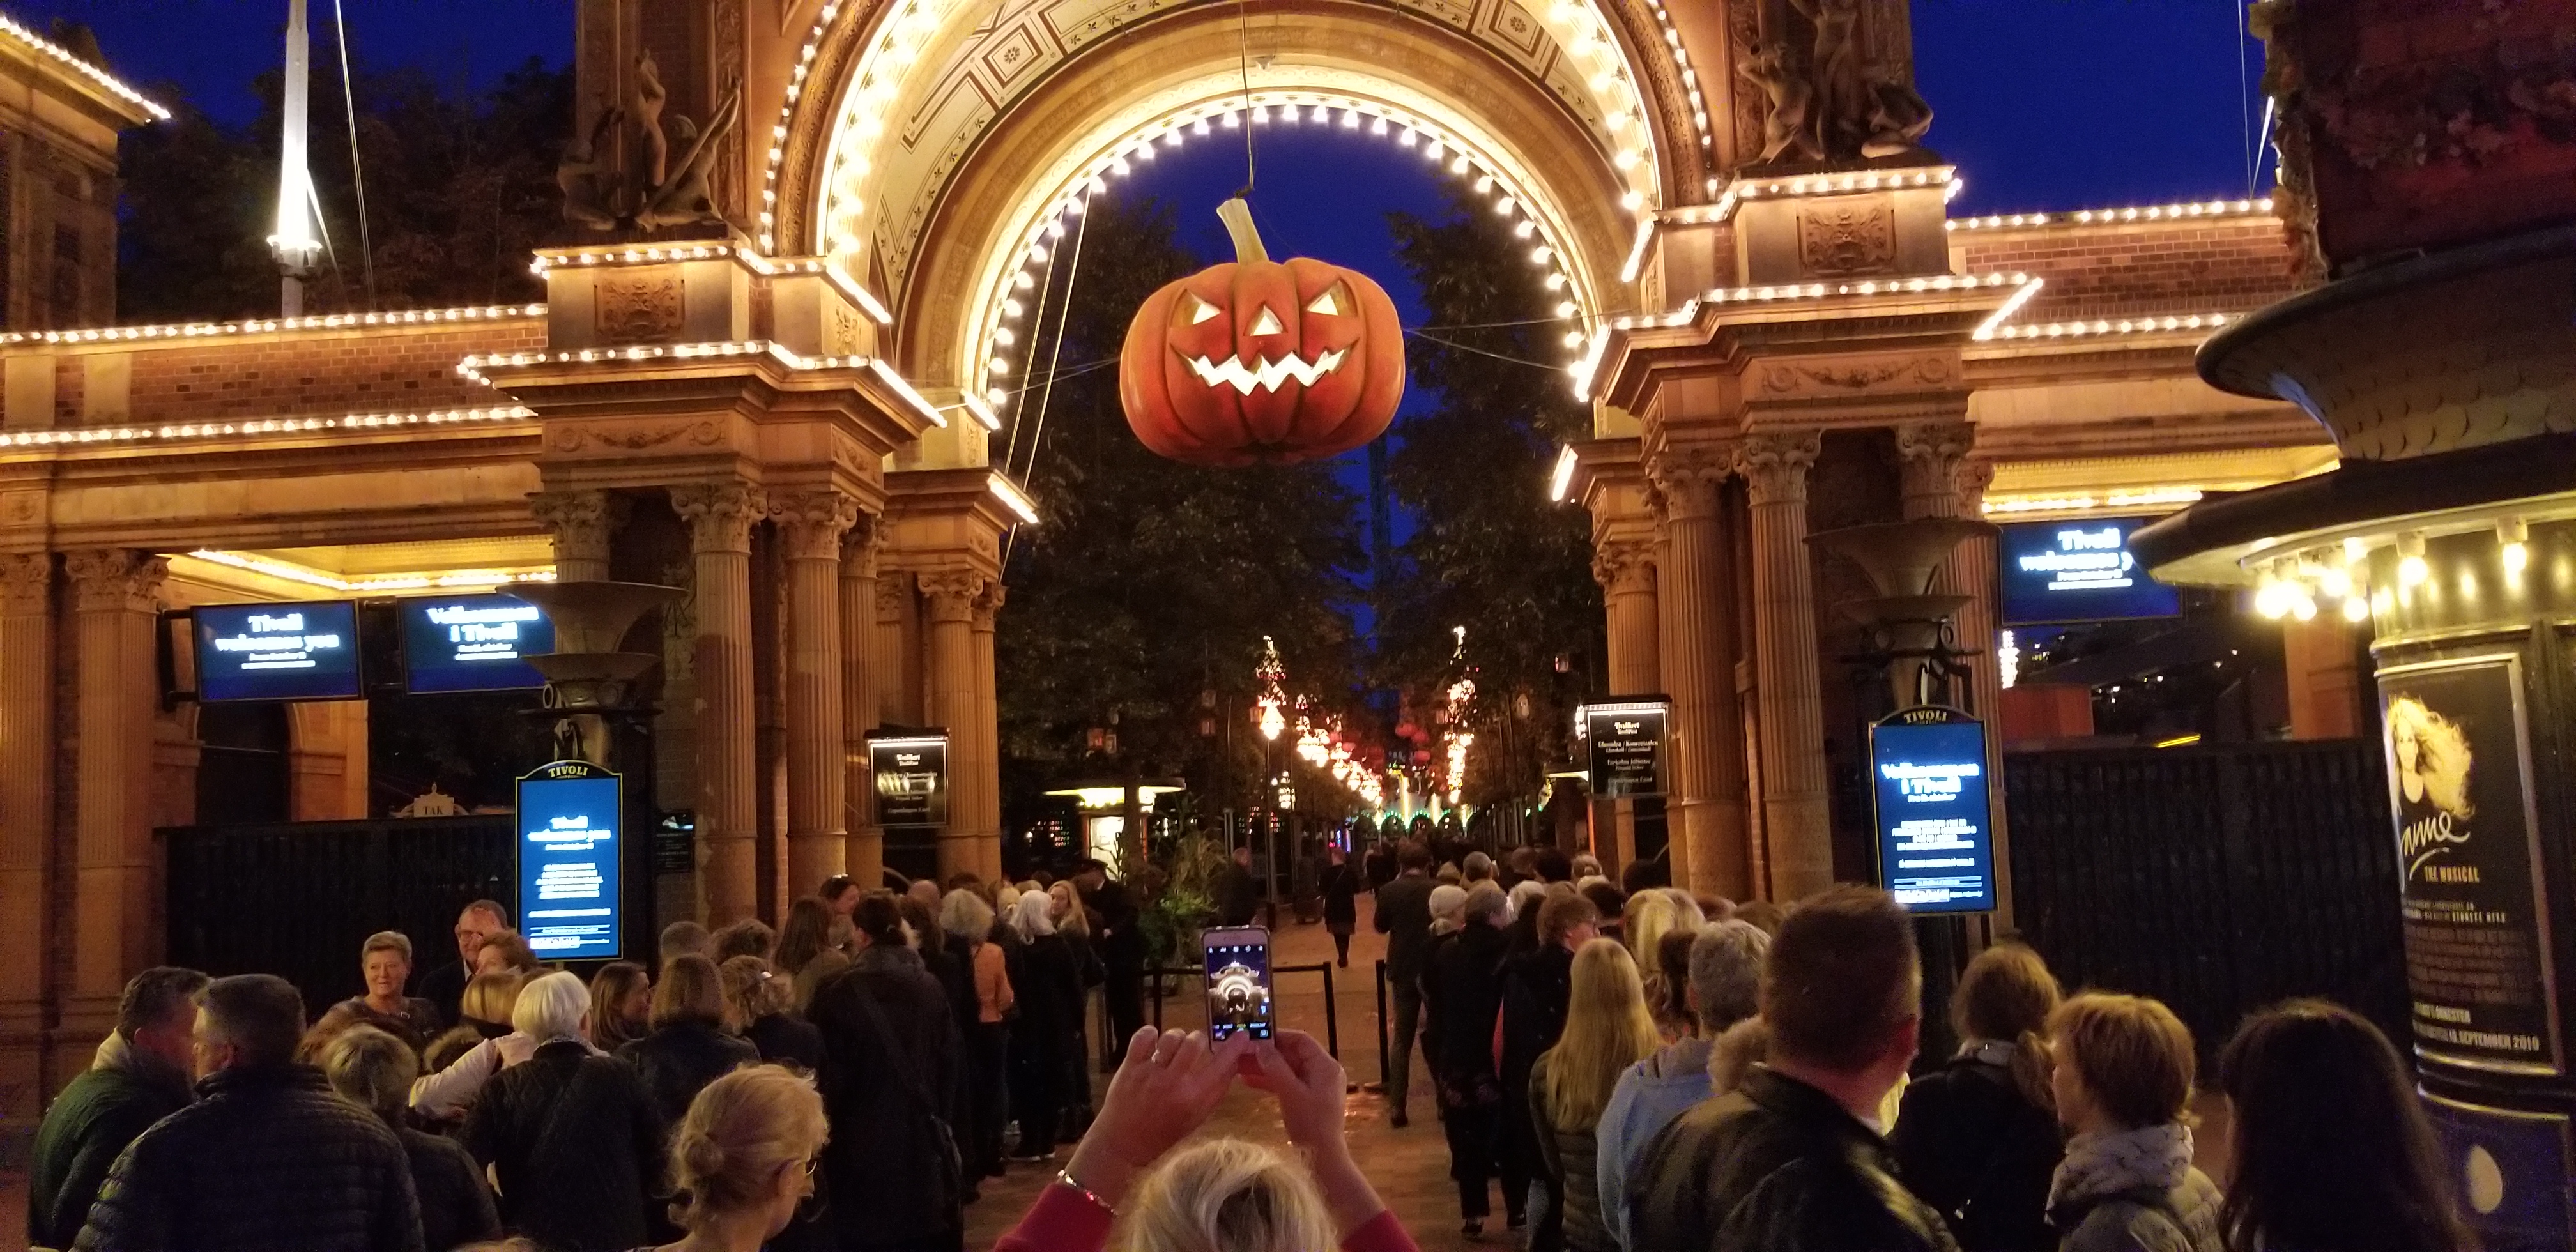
(743, 1159)
(1607, 1029)
(1643, 922)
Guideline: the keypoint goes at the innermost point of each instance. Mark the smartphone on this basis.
(1238, 981)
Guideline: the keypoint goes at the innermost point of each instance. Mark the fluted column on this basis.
(1941, 479)
(865, 850)
(582, 522)
(1625, 568)
(812, 523)
(988, 738)
(116, 592)
(26, 809)
(1698, 664)
(720, 518)
(952, 595)
(1796, 821)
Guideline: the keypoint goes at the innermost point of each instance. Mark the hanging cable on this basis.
(2244, 96)
(1037, 437)
(349, 103)
(1037, 331)
(1243, 31)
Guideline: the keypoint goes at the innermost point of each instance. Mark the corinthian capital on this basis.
(989, 603)
(860, 545)
(953, 592)
(1775, 464)
(26, 582)
(720, 515)
(115, 578)
(581, 521)
(1934, 454)
(1688, 476)
(813, 522)
(1624, 566)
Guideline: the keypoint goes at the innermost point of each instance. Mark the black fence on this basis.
(297, 900)
(2215, 879)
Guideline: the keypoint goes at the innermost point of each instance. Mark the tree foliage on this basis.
(1489, 551)
(1150, 582)
(459, 188)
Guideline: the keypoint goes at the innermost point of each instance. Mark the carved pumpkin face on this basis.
(1259, 360)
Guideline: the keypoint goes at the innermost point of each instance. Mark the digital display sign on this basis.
(911, 775)
(1626, 742)
(2077, 571)
(569, 832)
(277, 651)
(1935, 838)
(472, 643)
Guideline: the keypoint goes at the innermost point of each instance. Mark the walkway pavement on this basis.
(1409, 1166)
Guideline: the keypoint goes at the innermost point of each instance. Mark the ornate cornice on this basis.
(720, 515)
(1775, 464)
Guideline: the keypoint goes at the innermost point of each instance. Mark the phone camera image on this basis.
(1238, 989)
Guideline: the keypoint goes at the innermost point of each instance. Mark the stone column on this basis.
(720, 517)
(1706, 822)
(114, 932)
(988, 737)
(1796, 821)
(582, 522)
(27, 740)
(1625, 568)
(813, 523)
(952, 595)
(865, 854)
(1941, 480)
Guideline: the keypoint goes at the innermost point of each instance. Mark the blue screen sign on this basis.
(473, 643)
(277, 651)
(568, 848)
(1935, 842)
(2077, 571)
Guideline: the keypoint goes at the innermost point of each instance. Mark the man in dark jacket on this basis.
(1238, 891)
(891, 1052)
(1793, 1160)
(269, 1157)
(445, 985)
(1403, 915)
(1121, 942)
(140, 1077)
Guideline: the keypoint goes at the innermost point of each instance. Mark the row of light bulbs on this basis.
(2293, 586)
(1264, 109)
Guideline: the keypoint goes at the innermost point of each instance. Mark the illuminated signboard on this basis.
(1627, 747)
(911, 773)
(569, 838)
(277, 651)
(1928, 774)
(472, 643)
(2076, 571)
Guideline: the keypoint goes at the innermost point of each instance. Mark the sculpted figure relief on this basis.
(622, 177)
(1824, 103)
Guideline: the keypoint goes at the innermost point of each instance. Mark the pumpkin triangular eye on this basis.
(1200, 310)
(1333, 301)
(1267, 323)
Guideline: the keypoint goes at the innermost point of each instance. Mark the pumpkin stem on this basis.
(1238, 223)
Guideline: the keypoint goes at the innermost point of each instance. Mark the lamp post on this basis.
(294, 244)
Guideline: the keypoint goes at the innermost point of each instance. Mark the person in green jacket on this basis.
(141, 1075)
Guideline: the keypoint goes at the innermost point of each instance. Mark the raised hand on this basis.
(1170, 1083)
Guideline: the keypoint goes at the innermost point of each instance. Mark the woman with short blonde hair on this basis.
(743, 1159)
(374, 1070)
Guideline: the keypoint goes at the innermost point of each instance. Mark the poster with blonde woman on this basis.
(2459, 789)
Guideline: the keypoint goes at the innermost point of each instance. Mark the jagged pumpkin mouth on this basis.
(1266, 375)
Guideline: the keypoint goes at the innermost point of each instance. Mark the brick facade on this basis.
(2124, 270)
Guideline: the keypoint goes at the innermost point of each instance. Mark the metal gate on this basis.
(298, 899)
(2217, 879)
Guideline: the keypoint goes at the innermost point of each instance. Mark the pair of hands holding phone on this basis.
(1171, 1083)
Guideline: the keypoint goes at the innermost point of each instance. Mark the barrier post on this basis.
(1385, 1070)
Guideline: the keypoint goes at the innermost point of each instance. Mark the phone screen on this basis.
(1238, 982)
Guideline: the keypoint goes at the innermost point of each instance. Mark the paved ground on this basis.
(1409, 1166)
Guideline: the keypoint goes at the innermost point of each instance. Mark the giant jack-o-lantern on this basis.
(1262, 360)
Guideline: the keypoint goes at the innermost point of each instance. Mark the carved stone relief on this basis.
(638, 310)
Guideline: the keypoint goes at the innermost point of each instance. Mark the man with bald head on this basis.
(445, 986)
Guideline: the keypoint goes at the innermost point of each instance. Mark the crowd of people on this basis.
(509, 1100)
(1639, 1068)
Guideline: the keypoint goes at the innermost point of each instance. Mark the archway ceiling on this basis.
(948, 105)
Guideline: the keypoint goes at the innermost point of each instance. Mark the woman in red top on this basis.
(1168, 1086)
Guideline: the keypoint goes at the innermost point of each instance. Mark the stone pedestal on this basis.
(720, 518)
(952, 595)
(812, 523)
(115, 592)
(1698, 662)
(1796, 819)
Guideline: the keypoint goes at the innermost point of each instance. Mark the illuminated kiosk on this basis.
(1110, 808)
(2442, 360)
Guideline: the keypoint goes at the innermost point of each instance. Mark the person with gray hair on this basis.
(139, 1077)
(1476, 868)
(268, 1156)
(573, 1137)
(1448, 909)
(374, 1069)
(1725, 988)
